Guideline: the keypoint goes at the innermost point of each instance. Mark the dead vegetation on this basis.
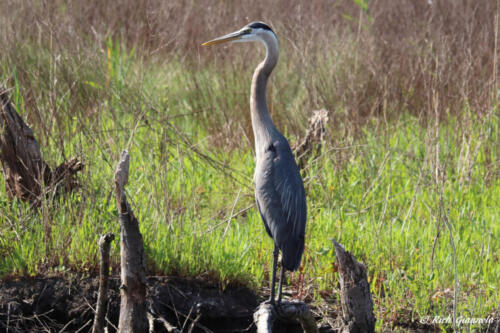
(382, 57)
(27, 176)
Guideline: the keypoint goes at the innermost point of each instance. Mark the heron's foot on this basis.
(270, 301)
(280, 294)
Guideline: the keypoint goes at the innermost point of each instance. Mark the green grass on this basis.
(384, 191)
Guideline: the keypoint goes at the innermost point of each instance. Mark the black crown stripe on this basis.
(260, 25)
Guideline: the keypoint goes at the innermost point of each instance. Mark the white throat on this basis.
(262, 124)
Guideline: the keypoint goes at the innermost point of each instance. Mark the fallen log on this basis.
(27, 175)
(355, 297)
(133, 314)
(286, 311)
(102, 296)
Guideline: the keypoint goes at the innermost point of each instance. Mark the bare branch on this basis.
(102, 296)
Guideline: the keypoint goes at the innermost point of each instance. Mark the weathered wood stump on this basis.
(133, 314)
(314, 137)
(26, 174)
(267, 314)
(355, 297)
(102, 296)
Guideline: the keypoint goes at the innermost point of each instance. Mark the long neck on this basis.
(263, 127)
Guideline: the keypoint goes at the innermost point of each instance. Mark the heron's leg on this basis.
(273, 279)
(282, 275)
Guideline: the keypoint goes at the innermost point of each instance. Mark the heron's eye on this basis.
(247, 31)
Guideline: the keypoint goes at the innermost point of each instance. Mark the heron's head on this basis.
(253, 32)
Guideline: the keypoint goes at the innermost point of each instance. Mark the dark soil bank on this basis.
(59, 304)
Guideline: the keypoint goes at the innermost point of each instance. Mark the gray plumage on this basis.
(280, 197)
(279, 189)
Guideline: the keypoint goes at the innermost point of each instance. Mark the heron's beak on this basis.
(226, 38)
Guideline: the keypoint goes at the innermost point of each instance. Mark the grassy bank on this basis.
(407, 179)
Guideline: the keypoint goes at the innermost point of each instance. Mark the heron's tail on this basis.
(291, 251)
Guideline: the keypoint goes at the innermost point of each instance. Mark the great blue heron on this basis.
(279, 189)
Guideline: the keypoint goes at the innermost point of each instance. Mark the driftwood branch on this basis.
(133, 315)
(164, 324)
(102, 296)
(267, 314)
(24, 170)
(355, 297)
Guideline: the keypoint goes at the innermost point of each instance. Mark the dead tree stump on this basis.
(314, 137)
(267, 314)
(133, 315)
(102, 296)
(24, 169)
(355, 297)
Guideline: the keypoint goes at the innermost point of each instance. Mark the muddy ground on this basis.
(57, 304)
(65, 304)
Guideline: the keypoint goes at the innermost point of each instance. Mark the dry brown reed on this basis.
(377, 60)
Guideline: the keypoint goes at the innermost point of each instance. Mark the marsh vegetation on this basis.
(408, 178)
